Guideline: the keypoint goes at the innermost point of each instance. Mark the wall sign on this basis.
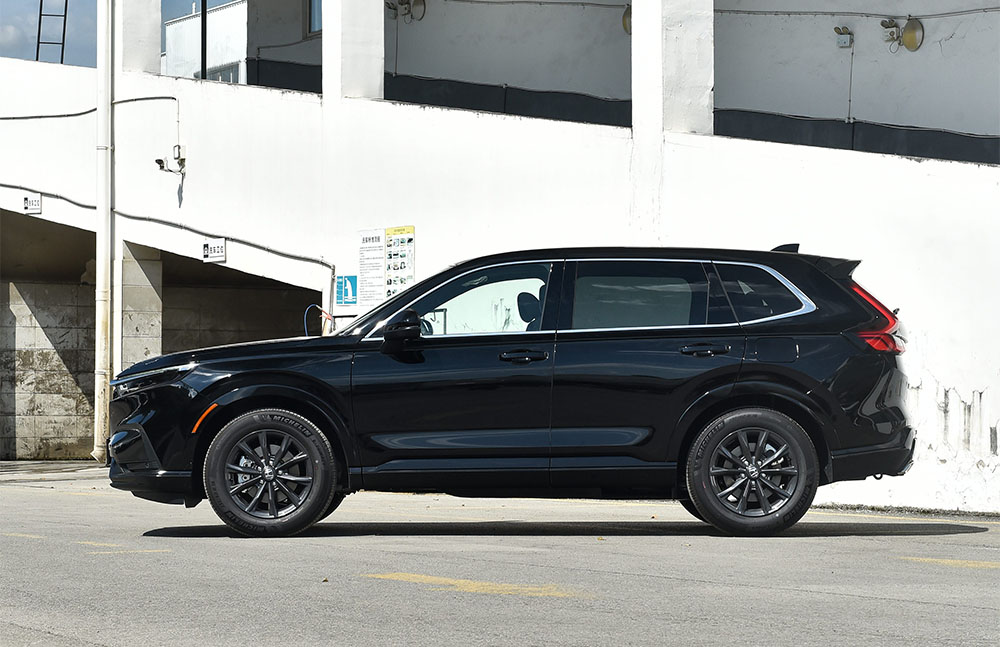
(371, 267)
(213, 250)
(385, 264)
(399, 249)
(347, 291)
(32, 203)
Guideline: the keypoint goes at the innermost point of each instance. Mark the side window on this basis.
(507, 298)
(756, 293)
(638, 294)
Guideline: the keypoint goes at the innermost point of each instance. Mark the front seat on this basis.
(530, 310)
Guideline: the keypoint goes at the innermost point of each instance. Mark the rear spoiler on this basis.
(836, 268)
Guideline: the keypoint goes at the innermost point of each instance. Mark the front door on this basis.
(467, 405)
(640, 341)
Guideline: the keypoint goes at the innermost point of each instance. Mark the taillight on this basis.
(881, 339)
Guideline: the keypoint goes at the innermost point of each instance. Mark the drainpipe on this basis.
(102, 311)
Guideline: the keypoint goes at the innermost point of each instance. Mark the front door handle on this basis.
(705, 349)
(524, 356)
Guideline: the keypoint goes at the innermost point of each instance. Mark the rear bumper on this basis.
(893, 458)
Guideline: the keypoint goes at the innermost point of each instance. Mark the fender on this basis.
(754, 392)
(327, 402)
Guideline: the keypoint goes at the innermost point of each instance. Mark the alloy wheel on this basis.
(752, 472)
(269, 474)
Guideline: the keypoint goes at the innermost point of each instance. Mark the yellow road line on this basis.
(126, 552)
(957, 563)
(40, 490)
(97, 543)
(891, 518)
(22, 535)
(475, 586)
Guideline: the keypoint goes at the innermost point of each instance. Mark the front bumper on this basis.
(161, 486)
(134, 466)
(893, 458)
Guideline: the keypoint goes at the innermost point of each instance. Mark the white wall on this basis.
(472, 183)
(926, 232)
(254, 165)
(790, 64)
(524, 44)
(55, 155)
(227, 41)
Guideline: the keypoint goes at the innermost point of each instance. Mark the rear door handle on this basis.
(524, 356)
(705, 349)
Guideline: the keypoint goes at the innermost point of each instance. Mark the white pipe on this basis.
(102, 336)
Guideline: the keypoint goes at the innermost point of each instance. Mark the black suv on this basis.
(734, 381)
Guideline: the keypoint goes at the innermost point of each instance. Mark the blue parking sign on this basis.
(347, 290)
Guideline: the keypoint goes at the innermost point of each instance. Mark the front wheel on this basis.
(270, 472)
(752, 472)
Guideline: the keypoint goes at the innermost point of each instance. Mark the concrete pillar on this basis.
(140, 334)
(673, 72)
(137, 35)
(353, 49)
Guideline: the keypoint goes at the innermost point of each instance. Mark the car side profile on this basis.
(736, 382)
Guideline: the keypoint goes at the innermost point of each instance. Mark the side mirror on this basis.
(406, 325)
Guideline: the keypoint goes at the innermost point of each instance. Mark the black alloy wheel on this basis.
(270, 472)
(752, 472)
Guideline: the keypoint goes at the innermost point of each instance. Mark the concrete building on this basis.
(494, 126)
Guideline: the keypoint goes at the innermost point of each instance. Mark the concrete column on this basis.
(140, 334)
(673, 72)
(137, 35)
(353, 49)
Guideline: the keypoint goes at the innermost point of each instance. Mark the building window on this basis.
(225, 73)
(315, 16)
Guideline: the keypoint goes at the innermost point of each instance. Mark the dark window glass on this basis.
(636, 294)
(315, 16)
(756, 293)
(506, 298)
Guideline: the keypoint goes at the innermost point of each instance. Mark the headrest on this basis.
(528, 307)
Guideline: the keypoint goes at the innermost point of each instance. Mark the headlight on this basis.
(138, 381)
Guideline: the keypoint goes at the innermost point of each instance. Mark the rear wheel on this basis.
(270, 472)
(752, 472)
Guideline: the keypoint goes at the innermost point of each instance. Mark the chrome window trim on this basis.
(807, 304)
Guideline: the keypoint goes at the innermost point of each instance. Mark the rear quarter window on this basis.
(756, 293)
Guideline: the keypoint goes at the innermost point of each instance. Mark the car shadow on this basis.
(581, 528)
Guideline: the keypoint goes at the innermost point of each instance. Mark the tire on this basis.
(270, 473)
(752, 472)
(690, 507)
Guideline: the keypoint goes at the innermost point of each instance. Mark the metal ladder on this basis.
(62, 42)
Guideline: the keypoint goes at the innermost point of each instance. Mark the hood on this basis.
(230, 351)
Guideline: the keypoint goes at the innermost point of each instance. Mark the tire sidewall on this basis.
(699, 462)
(313, 442)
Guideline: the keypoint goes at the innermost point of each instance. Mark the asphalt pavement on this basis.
(83, 564)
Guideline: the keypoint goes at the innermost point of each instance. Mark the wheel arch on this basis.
(794, 404)
(237, 400)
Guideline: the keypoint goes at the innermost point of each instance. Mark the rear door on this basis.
(637, 342)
